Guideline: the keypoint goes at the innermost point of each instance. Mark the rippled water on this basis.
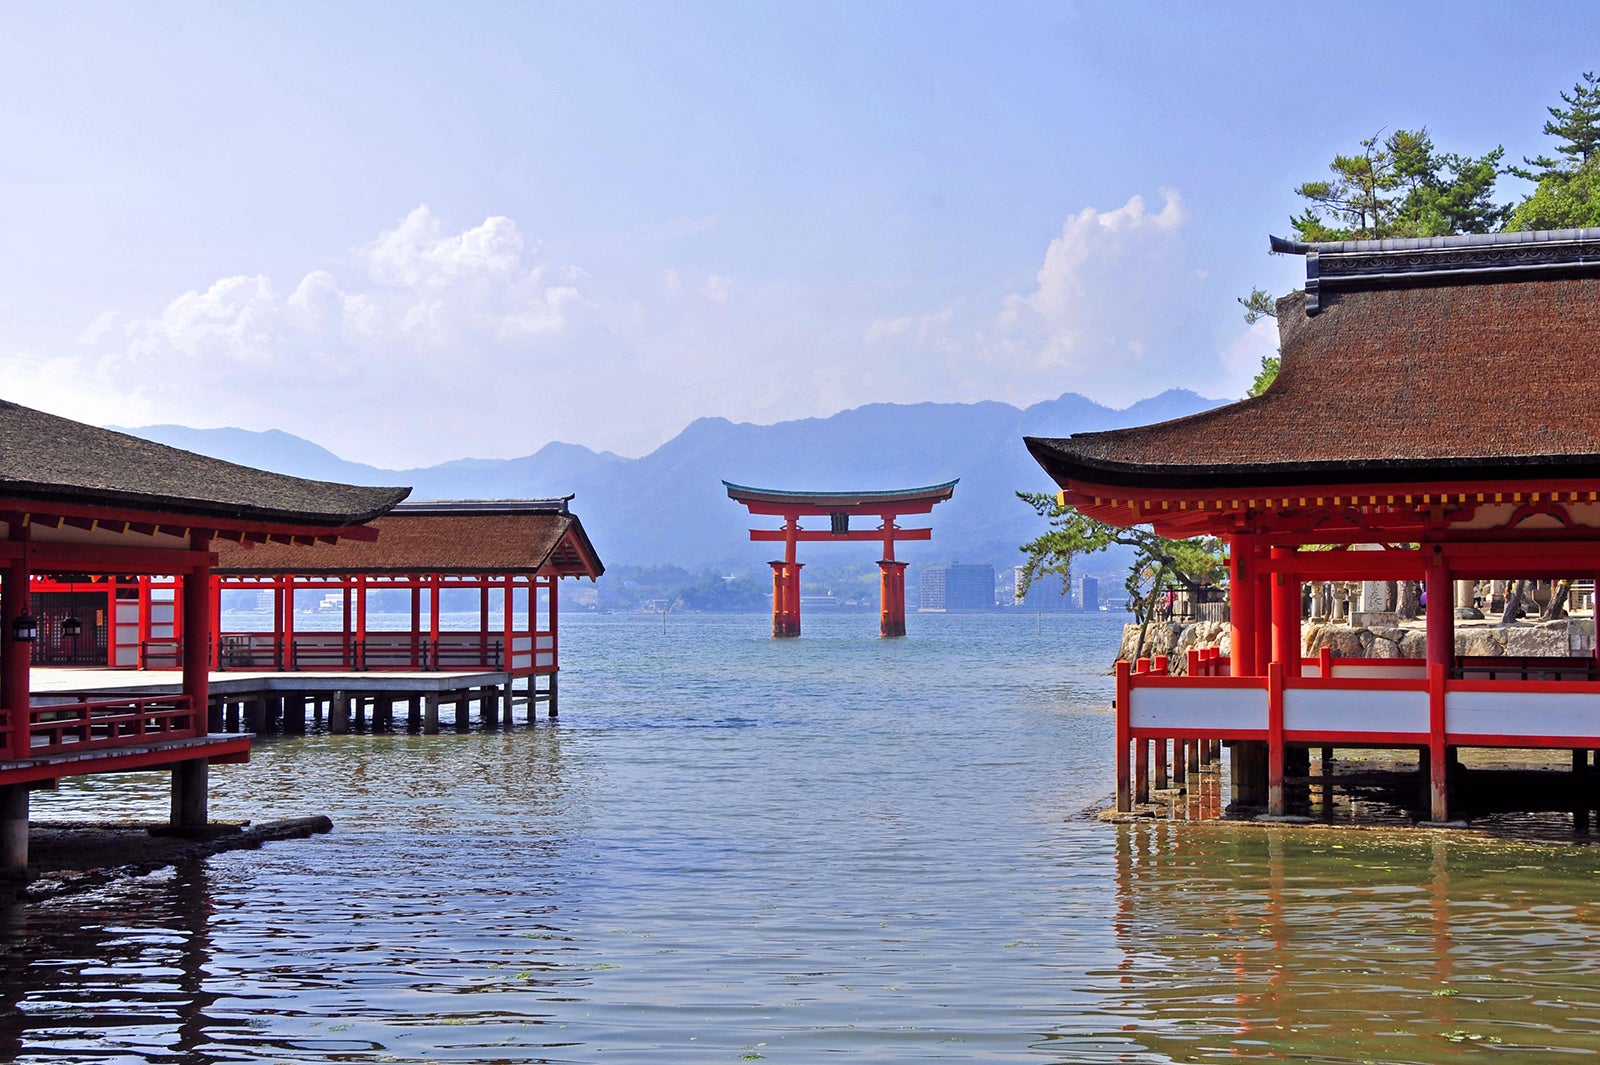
(735, 849)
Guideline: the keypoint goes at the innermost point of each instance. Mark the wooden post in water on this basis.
(190, 781)
(294, 713)
(1580, 792)
(13, 827)
(339, 714)
(255, 714)
(430, 714)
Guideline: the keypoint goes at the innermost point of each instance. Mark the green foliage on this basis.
(1258, 305)
(1157, 560)
(1577, 129)
(1568, 190)
(1266, 375)
(714, 592)
(1402, 186)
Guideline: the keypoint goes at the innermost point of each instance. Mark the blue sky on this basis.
(421, 232)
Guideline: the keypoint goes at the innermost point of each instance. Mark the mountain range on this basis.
(670, 507)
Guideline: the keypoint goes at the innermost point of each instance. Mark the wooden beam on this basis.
(822, 535)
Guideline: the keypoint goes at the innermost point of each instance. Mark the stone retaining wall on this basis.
(1555, 639)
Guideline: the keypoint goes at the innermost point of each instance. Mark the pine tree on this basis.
(1402, 186)
(1568, 192)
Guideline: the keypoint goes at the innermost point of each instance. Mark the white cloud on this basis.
(431, 326)
(1241, 358)
(431, 342)
(1118, 311)
(1099, 291)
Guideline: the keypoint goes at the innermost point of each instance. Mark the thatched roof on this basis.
(498, 536)
(1453, 359)
(45, 459)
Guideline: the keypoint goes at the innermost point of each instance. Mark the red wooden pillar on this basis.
(507, 629)
(417, 660)
(892, 598)
(483, 620)
(1262, 620)
(791, 597)
(197, 634)
(1286, 616)
(347, 609)
(553, 584)
(1441, 619)
(15, 688)
(145, 607)
(1241, 609)
(215, 593)
(433, 619)
(786, 598)
(1275, 747)
(1124, 737)
(359, 589)
(288, 623)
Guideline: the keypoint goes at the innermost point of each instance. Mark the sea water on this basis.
(733, 848)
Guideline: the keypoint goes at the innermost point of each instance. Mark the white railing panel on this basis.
(1220, 709)
(547, 643)
(1522, 713)
(1372, 669)
(1336, 710)
(522, 642)
(544, 661)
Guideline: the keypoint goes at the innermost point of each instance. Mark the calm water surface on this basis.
(736, 849)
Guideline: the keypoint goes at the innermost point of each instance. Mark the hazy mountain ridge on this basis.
(670, 507)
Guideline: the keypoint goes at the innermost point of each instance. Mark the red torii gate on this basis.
(839, 507)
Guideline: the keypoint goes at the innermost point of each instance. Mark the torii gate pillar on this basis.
(892, 598)
(786, 598)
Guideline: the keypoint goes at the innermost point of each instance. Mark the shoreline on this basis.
(71, 857)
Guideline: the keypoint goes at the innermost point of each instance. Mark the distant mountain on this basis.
(670, 507)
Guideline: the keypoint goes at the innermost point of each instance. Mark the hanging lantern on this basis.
(25, 629)
(71, 627)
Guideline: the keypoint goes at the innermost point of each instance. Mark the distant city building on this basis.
(1089, 593)
(1047, 592)
(958, 587)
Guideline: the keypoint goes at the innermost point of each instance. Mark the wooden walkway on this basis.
(265, 703)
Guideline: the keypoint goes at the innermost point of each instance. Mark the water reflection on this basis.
(131, 976)
(210, 964)
(1336, 946)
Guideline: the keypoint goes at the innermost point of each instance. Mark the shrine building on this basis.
(78, 502)
(1433, 421)
(477, 582)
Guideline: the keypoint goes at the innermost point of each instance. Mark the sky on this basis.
(419, 232)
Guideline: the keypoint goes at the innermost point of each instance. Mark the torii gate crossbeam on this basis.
(840, 508)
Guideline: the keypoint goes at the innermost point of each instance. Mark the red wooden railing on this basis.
(389, 651)
(104, 723)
